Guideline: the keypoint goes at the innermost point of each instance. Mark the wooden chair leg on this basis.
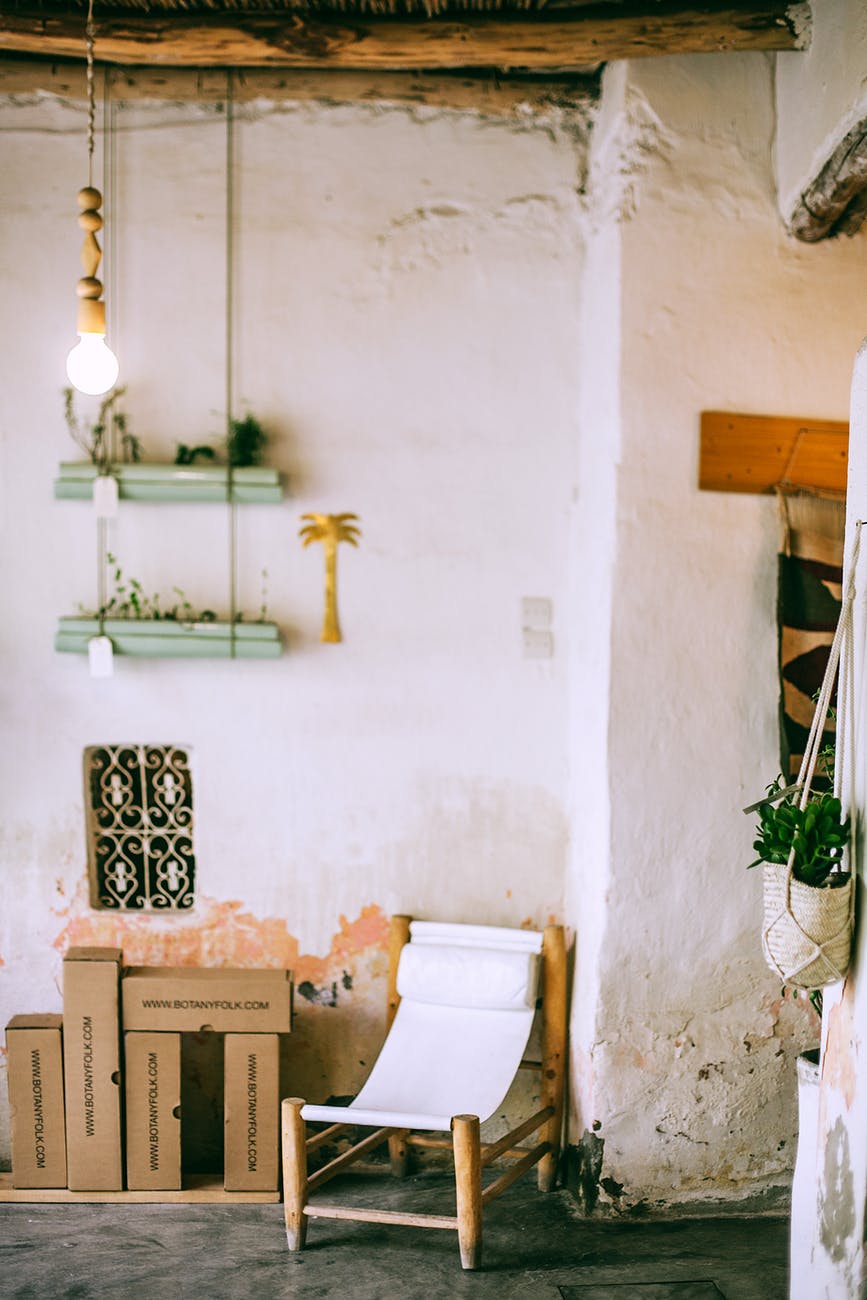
(553, 1049)
(294, 1172)
(398, 1155)
(398, 935)
(468, 1184)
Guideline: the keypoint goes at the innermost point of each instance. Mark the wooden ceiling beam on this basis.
(835, 202)
(554, 40)
(500, 96)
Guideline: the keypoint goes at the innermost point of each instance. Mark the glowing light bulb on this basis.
(91, 366)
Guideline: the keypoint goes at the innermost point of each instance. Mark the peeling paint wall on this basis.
(494, 348)
(407, 306)
(689, 1077)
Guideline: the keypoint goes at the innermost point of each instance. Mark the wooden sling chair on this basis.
(461, 1002)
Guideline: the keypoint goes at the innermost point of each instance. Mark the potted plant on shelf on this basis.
(196, 474)
(139, 624)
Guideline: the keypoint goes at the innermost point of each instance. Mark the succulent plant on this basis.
(818, 832)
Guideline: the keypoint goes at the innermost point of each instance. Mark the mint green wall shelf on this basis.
(251, 484)
(166, 639)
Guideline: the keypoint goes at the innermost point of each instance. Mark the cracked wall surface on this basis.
(405, 312)
(689, 1075)
(494, 349)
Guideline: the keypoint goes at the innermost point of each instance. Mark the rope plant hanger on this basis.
(807, 927)
(230, 343)
(105, 490)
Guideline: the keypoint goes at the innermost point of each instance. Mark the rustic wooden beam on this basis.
(552, 39)
(836, 201)
(757, 453)
(500, 96)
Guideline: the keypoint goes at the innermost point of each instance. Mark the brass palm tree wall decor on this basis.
(330, 530)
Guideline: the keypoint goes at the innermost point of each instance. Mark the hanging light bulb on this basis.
(91, 366)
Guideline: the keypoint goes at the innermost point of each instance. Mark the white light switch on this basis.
(536, 611)
(538, 643)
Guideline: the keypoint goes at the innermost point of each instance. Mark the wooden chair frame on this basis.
(471, 1155)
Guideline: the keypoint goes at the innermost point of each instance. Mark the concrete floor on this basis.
(535, 1246)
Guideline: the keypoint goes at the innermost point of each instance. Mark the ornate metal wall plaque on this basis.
(139, 805)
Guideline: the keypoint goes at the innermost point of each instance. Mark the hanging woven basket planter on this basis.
(807, 930)
(809, 886)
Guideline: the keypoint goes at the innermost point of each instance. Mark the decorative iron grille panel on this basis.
(139, 802)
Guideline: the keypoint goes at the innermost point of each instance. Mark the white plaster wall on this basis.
(407, 320)
(821, 94)
(504, 381)
(827, 1254)
(693, 1070)
(593, 550)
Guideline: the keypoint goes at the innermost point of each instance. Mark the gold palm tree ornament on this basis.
(330, 530)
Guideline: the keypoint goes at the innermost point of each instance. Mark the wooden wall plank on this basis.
(755, 453)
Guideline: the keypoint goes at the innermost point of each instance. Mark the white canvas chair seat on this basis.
(468, 998)
(461, 1004)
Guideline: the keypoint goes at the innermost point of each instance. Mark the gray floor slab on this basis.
(642, 1291)
(535, 1246)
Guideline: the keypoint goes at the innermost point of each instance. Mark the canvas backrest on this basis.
(473, 966)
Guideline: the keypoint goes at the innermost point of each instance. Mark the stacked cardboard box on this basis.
(65, 1079)
(91, 1069)
(251, 1008)
(35, 1072)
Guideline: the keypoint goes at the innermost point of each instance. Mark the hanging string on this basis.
(109, 176)
(101, 564)
(107, 183)
(91, 97)
(230, 263)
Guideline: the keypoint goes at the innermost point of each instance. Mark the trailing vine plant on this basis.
(129, 600)
(95, 439)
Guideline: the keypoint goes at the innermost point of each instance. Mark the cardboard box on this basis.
(190, 1000)
(152, 1071)
(252, 1114)
(34, 1061)
(91, 1067)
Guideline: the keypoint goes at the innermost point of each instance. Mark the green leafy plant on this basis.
(245, 444)
(130, 444)
(95, 440)
(818, 833)
(189, 455)
(130, 601)
(813, 996)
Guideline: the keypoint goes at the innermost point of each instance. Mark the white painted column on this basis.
(828, 1260)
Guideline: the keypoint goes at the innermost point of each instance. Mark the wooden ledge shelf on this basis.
(758, 453)
(166, 638)
(251, 484)
(201, 1190)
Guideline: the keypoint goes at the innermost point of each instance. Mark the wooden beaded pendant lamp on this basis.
(91, 366)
